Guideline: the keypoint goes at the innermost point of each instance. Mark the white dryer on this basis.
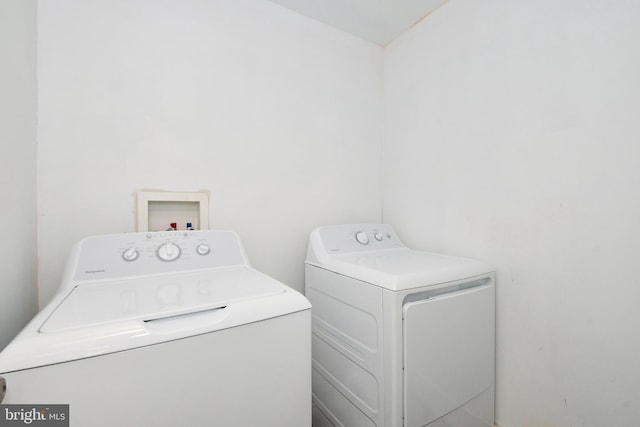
(401, 338)
(166, 329)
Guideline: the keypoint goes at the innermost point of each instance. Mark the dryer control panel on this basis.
(123, 255)
(357, 238)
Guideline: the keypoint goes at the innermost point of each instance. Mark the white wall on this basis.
(513, 136)
(18, 300)
(277, 115)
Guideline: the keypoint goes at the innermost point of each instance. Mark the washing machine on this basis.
(400, 337)
(166, 329)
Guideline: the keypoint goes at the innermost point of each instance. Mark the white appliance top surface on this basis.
(386, 262)
(151, 298)
(399, 269)
(125, 291)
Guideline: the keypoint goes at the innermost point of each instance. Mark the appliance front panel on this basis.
(448, 347)
(257, 374)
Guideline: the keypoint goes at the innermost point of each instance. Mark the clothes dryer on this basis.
(401, 338)
(166, 329)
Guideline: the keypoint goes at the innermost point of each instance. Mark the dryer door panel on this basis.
(448, 352)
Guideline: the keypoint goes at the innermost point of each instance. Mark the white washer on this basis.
(400, 337)
(166, 329)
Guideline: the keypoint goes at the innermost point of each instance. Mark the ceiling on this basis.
(379, 21)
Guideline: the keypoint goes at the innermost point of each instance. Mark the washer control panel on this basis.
(131, 254)
(358, 237)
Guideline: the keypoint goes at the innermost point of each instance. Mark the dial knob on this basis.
(169, 252)
(362, 237)
(203, 249)
(130, 254)
(378, 237)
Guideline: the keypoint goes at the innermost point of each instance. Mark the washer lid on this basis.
(157, 297)
(99, 318)
(402, 268)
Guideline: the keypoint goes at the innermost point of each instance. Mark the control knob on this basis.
(203, 249)
(362, 237)
(130, 254)
(169, 251)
